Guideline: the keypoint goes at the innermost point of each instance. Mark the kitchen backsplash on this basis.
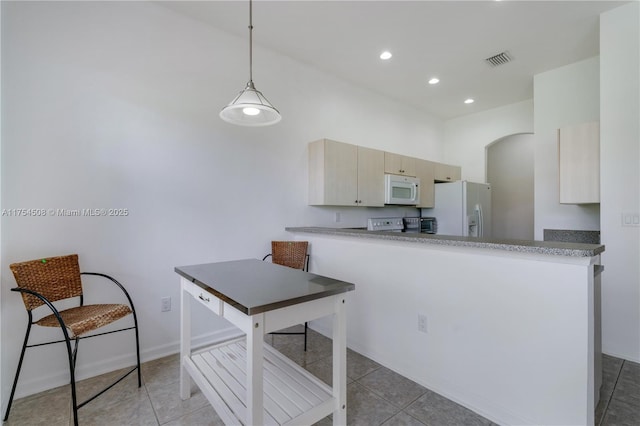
(572, 236)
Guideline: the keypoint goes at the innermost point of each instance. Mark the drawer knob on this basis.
(206, 299)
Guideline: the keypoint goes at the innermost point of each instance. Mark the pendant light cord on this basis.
(251, 41)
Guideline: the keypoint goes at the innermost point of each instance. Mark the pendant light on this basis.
(250, 107)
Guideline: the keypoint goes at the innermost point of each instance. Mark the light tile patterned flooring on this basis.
(376, 395)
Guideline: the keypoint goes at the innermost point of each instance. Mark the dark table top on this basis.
(253, 286)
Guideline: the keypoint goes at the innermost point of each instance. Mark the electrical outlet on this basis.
(337, 217)
(422, 323)
(165, 304)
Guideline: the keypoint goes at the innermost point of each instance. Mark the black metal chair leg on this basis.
(72, 374)
(15, 381)
(135, 321)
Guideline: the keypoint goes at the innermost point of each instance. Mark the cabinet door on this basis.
(333, 173)
(399, 164)
(447, 172)
(579, 163)
(370, 177)
(425, 171)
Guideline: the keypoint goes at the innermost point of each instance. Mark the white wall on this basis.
(467, 137)
(563, 96)
(510, 172)
(620, 179)
(115, 105)
(1, 270)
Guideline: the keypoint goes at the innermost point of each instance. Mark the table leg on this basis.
(185, 341)
(255, 336)
(340, 361)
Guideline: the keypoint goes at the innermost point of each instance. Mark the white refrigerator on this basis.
(462, 208)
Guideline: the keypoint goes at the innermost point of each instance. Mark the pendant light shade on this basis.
(250, 107)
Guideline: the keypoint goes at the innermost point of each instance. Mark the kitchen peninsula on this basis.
(510, 329)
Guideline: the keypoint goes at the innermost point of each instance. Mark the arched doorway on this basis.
(510, 171)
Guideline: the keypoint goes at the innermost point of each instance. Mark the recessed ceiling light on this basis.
(385, 55)
(469, 101)
(434, 81)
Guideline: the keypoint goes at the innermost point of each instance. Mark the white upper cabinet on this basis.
(425, 171)
(447, 172)
(397, 164)
(341, 174)
(579, 163)
(370, 177)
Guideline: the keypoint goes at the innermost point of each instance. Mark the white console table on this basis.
(246, 380)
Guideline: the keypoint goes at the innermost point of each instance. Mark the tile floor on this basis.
(376, 395)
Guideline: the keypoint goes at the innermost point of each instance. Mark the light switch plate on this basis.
(630, 218)
(422, 323)
(165, 304)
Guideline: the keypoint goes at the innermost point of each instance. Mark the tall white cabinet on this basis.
(579, 163)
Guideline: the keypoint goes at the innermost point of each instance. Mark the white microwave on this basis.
(402, 190)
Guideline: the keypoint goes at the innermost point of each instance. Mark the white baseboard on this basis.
(85, 371)
(621, 356)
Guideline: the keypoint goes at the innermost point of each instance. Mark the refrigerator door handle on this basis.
(480, 220)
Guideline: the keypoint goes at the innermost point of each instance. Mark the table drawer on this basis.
(204, 297)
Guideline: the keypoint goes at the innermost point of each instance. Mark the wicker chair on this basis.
(294, 255)
(45, 281)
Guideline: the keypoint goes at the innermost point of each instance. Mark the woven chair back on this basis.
(55, 278)
(289, 253)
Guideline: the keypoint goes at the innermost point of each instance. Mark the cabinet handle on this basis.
(206, 299)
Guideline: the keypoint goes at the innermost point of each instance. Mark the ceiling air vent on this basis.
(499, 59)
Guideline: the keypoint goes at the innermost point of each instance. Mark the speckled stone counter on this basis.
(522, 246)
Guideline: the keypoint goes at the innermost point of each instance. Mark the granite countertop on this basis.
(522, 246)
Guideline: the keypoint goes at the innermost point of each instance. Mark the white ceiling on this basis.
(447, 39)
